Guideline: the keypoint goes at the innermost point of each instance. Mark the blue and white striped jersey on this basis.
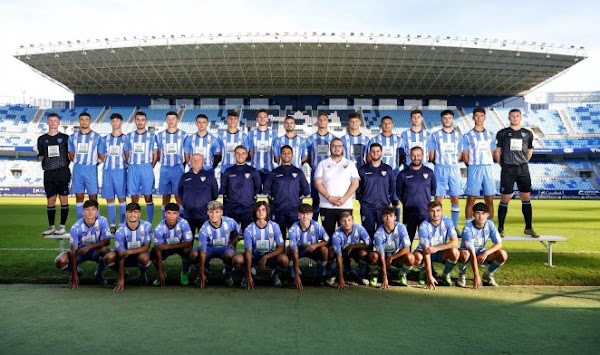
(447, 147)
(475, 239)
(127, 239)
(411, 139)
(431, 236)
(180, 233)
(208, 145)
(82, 234)
(230, 141)
(220, 237)
(170, 146)
(392, 242)
(300, 239)
(113, 149)
(390, 146)
(263, 240)
(318, 147)
(341, 240)
(298, 145)
(356, 148)
(85, 147)
(140, 147)
(261, 144)
(480, 146)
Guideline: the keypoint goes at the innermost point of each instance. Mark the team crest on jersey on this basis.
(97, 228)
(59, 140)
(425, 176)
(178, 233)
(142, 233)
(208, 140)
(270, 234)
(487, 233)
(117, 244)
(202, 178)
(247, 175)
(384, 173)
(294, 175)
(523, 134)
(345, 166)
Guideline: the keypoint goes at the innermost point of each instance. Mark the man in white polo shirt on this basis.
(336, 180)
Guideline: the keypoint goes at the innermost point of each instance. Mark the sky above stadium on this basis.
(40, 21)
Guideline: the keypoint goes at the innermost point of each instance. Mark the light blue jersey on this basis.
(447, 147)
(391, 242)
(411, 139)
(318, 147)
(390, 147)
(356, 148)
(298, 145)
(140, 147)
(170, 146)
(208, 146)
(127, 239)
(341, 240)
(261, 145)
(300, 239)
(263, 240)
(82, 234)
(85, 147)
(113, 149)
(219, 237)
(230, 141)
(480, 146)
(431, 236)
(180, 233)
(475, 239)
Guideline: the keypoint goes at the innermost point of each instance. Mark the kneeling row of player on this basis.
(265, 246)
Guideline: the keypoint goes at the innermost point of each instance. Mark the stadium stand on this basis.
(586, 119)
(71, 116)
(548, 121)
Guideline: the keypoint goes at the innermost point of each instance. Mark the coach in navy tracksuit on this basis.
(415, 186)
(196, 188)
(240, 185)
(376, 187)
(286, 186)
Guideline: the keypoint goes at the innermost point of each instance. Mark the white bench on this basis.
(61, 238)
(547, 240)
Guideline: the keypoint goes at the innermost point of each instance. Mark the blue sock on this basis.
(228, 269)
(493, 267)
(122, 208)
(321, 268)
(331, 267)
(292, 269)
(278, 270)
(112, 213)
(100, 267)
(362, 267)
(162, 212)
(462, 268)
(448, 267)
(455, 212)
(186, 265)
(398, 210)
(79, 210)
(149, 211)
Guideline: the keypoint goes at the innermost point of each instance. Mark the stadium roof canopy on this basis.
(301, 64)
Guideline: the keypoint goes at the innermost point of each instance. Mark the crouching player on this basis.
(391, 248)
(263, 246)
(307, 239)
(217, 238)
(90, 237)
(437, 242)
(132, 242)
(349, 241)
(173, 235)
(474, 238)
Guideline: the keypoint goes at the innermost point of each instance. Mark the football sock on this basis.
(162, 212)
(51, 212)
(502, 210)
(321, 268)
(79, 210)
(493, 267)
(448, 267)
(149, 211)
(362, 267)
(122, 208)
(100, 267)
(455, 213)
(112, 213)
(406, 269)
(398, 210)
(64, 213)
(462, 268)
(527, 213)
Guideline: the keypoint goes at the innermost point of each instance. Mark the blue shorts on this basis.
(85, 179)
(91, 255)
(302, 253)
(216, 253)
(437, 257)
(132, 260)
(448, 180)
(477, 253)
(114, 182)
(272, 262)
(169, 179)
(395, 262)
(478, 177)
(140, 178)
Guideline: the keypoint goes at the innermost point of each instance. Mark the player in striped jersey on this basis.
(355, 143)
(263, 246)
(132, 242)
(445, 151)
(172, 236)
(114, 178)
(83, 152)
(437, 242)
(90, 237)
(308, 239)
(478, 146)
(172, 160)
(474, 238)
(317, 146)
(260, 145)
(217, 238)
(290, 138)
(393, 153)
(391, 248)
(415, 136)
(141, 154)
(231, 138)
(210, 146)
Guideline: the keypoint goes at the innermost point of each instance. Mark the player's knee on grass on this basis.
(282, 260)
(110, 258)
(373, 258)
(121, 254)
(418, 258)
(144, 259)
(408, 259)
(500, 256)
(62, 260)
(464, 256)
(451, 254)
(228, 258)
(193, 256)
(238, 260)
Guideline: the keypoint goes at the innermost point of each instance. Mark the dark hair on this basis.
(171, 206)
(54, 114)
(388, 211)
(335, 139)
(354, 115)
(90, 203)
(116, 115)
(240, 146)
(201, 115)
(172, 113)
(141, 113)
(514, 110)
(433, 204)
(286, 147)
(233, 113)
(262, 110)
(85, 114)
(386, 118)
(447, 112)
(255, 208)
(133, 206)
(375, 145)
(415, 148)
(305, 208)
(345, 215)
(481, 207)
(479, 109)
(414, 112)
(290, 118)
(323, 114)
